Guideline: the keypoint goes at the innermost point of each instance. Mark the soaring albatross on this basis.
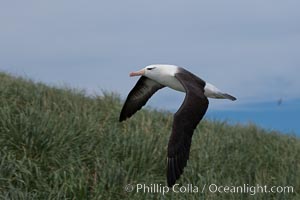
(192, 110)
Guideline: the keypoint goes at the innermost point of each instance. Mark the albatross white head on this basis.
(151, 71)
(161, 73)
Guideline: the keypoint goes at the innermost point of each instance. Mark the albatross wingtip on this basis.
(122, 117)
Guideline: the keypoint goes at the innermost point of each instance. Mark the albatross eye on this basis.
(150, 68)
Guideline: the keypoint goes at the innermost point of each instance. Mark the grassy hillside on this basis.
(61, 144)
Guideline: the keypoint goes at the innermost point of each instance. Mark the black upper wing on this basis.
(138, 96)
(185, 121)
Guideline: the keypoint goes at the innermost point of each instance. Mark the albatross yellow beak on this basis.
(138, 73)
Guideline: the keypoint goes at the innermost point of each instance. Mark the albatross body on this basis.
(192, 110)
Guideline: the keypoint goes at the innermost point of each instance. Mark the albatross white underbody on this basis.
(192, 110)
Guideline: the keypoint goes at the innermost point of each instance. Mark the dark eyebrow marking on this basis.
(150, 68)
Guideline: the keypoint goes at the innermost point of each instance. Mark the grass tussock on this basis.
(61, 144)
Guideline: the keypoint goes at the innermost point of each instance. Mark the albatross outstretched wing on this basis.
(185, 121)
(139, 96)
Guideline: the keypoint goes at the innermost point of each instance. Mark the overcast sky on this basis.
(247, 48)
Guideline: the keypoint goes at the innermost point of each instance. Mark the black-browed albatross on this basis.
(192, 110)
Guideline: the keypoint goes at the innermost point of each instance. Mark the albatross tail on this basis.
(213, 92)
(227, 96)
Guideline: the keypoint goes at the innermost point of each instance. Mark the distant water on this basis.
(281, 117)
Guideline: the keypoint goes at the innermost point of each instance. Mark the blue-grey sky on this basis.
(247, 48)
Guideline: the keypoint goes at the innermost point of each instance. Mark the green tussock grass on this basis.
(62, 144)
